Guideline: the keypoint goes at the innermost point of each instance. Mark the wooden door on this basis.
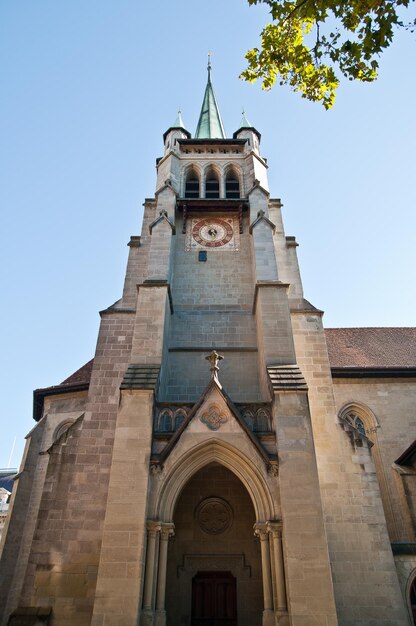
(214, 599)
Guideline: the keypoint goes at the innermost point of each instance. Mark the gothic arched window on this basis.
(180, 416)
(62, 429)
(232, 185)
(262, 421)
(192, 185)
(212, 185)
(356, 422)
(165, 421)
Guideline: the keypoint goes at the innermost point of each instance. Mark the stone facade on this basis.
(211, 463)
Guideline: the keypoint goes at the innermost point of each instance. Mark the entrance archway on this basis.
(162, 571)
(214, 518)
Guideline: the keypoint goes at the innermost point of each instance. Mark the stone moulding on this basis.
(30, 616)
(192, 563)
(163, 216)
(157, 282)
(134, 241)
(261, 216)
(266, 283)
(404, 548)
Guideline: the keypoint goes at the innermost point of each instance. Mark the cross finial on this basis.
(209, 64)
(214, 358)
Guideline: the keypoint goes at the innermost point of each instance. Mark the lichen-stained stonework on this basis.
(163, 485)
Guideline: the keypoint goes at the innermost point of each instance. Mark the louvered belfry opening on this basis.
(232, 186)
(212, 185)
(192, 185)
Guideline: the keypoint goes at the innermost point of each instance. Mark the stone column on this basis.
(166, 531)
(275, 530)
(260, 530)
(273, 571)
(153, 529)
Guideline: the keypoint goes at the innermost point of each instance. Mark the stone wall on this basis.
(392, 404)
(212, 304)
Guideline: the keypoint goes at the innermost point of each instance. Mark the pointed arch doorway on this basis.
(214, 574)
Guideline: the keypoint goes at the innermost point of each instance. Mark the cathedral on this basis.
(223, 460)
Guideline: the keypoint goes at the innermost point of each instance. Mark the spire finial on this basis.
(178, 123)
(244, 121)
(209, 123)
(214, 358)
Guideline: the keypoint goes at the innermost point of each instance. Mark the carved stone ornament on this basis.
(273, 469)
(214, 515)
(156, 469)
(213, 417)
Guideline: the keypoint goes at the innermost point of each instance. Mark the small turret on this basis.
(247, 131)
(176, 131)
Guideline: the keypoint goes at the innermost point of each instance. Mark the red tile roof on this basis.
(371, 347)
(81, 376)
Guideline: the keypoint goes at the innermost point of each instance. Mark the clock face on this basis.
(211, 233)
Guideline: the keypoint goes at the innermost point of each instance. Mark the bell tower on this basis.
(215, 275)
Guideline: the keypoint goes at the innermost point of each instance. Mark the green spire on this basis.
(244, 121)
(179, 121)
(210, 123)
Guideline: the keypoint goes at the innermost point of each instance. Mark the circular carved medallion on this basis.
(212, 233)
(214, 515)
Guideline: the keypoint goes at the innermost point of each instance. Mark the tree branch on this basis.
(297, 7)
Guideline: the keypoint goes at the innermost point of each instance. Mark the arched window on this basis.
(212, 185)
(62, 429)
(361, 424)
(356, 422)
(249, 418)
(192, 185)
(165, 421)
(262, 421)
(232, 185)
(180, 416)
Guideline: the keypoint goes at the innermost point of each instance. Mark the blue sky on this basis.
(88, 88)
